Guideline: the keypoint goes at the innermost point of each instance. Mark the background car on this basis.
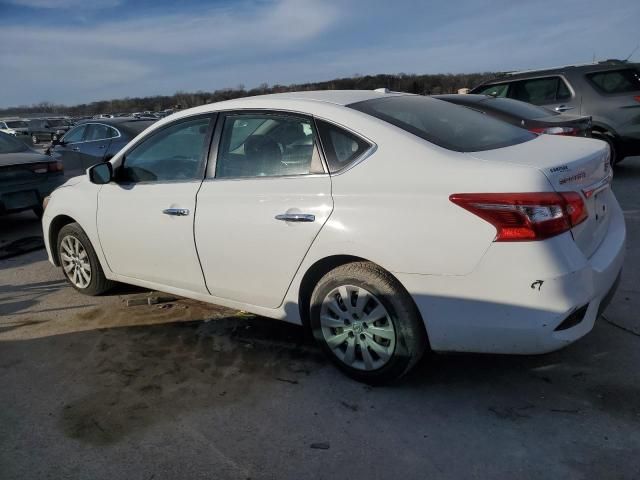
(26, 176)
(93, 141)
(4, 128)
(385, 223)
(608, 92)
(533, 118)
(47, 129)
(18, 125)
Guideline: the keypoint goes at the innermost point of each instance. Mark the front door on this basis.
(261, 207)
(68, 151)
(145, 217)
(96, 144)
(551, 92)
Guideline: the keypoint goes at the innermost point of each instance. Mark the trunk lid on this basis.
(571, 165)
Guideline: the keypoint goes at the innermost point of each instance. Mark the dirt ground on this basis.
(93, 388)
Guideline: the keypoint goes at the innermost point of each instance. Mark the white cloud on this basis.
(94, 59)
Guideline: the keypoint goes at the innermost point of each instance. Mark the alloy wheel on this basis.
(75, 261)
(357, 327)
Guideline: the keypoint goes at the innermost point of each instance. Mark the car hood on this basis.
(28, 156)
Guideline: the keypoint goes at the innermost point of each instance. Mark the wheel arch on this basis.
(54, 229)
(323, 266)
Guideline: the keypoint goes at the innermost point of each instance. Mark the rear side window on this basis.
(450, 126)
(499, 90)
(341, 147)
(541, 90)
(616, 81)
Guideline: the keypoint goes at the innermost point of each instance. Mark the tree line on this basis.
(431, 84)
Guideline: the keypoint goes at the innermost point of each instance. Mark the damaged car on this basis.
(388, 224)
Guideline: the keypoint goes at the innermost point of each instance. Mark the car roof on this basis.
(583, 68)
(468, 98)
(337, 97)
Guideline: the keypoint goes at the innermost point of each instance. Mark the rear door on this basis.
(265, 198)
(552, 92)
(96, 144)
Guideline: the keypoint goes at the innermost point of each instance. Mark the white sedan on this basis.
(386, 223)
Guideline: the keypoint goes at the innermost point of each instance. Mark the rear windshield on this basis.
(136, 127)
(9, 144)
(56, 123)
(450, 126)
(616, 81)
(17, 124)
(516, 108)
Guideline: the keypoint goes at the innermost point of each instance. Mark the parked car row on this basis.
(608, 92)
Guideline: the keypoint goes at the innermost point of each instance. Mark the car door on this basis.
(68, 151)
(265, 198)
(145, 217)
(96, 144)
(552, 92)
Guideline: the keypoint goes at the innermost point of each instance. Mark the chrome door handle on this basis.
(176, 212)
(296, 217)
(562, 108)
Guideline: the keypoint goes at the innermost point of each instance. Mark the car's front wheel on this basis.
(367, 323)
(79, 262)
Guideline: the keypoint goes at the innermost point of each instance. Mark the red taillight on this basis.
(48, 167)
(637, 98)
(571, 131)
(56, 166)
(525, 216)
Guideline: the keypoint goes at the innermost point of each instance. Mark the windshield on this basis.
(56, 123)
(9, 144)
(17, 124)
(448, 125)
(516, 108)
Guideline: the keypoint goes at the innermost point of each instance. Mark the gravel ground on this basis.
(92, 388)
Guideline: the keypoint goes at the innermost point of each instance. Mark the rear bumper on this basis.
(517, 299)
(26, 196)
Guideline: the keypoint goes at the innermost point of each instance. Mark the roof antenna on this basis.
(631, 54)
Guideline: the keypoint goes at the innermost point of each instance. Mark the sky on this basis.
(76, 51)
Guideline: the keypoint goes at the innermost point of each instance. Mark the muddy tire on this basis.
(367, 323)
(79, 262)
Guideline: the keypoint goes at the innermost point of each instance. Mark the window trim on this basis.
(542, 77)
(360, 158)
(100, 139)
(210, 173)
(213, 121)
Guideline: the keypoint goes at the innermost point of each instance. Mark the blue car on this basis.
(94, 141)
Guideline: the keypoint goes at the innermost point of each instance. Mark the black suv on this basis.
(608, 91)
(47, 129)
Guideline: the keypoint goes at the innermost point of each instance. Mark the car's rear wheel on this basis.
(79, 262)
(367, 323)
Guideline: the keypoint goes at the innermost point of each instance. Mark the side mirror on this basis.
(101, 173)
